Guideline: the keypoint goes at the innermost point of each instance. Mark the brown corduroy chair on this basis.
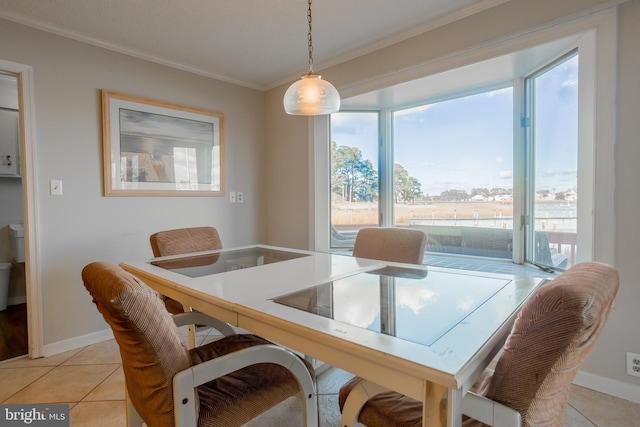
(391, 244)
(182, 241)
(224, 383)
(552, 335)
(185, 240)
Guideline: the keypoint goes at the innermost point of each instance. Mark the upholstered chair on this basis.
(224, 383)
(530, 385)
(185, 240)
(182, 241)
(391, 244)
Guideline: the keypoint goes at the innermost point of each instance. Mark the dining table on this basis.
(424, 331)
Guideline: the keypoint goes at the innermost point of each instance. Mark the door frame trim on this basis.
(24, 73)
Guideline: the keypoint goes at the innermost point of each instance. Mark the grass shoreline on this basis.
(356, 215)
(344, 213)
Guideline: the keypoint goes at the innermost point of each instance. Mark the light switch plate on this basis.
(55, 187)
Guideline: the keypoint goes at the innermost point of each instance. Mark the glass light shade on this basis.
(311, 96)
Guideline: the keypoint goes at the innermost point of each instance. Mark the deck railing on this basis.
(562, 244)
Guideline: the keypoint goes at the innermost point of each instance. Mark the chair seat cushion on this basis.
(173, 306)
(389, 409)
(221, 398)
(392, 409)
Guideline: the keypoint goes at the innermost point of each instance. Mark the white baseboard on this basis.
(608, 386)
(76, 342)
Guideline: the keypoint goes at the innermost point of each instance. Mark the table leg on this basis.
(192, 336)
(433, 394)
(431, 407)
(454, 407)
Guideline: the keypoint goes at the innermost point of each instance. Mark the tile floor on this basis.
(91, 381)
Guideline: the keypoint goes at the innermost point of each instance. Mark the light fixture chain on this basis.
(310, 40)
(311, 96)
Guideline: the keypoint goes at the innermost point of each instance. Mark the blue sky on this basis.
(467, 142)
(458, 144)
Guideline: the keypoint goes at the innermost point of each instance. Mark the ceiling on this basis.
(480, 76)
(259, 44)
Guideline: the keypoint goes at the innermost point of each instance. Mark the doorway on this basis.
(33, 307)
(13, 312)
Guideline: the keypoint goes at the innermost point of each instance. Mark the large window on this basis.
(453, 172)
(354, 175)
(479, 173)
(558, 209)
(552, 148)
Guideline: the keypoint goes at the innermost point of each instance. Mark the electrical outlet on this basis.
(633, 364)
(240, 197)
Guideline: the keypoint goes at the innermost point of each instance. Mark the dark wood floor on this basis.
(13, 332)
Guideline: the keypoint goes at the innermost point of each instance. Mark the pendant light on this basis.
(311, 96)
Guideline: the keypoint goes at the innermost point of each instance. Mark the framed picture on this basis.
(154, 148)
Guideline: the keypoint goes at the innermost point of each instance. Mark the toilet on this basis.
(16, 234)
(5, 276)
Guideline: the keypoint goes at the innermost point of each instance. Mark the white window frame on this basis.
(596, 127)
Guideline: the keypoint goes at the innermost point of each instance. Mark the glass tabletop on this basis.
(411, 304)
(219, 262)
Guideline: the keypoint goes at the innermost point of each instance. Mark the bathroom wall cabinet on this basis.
(9, 143)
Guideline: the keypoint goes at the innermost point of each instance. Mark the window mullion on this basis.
(385, 152)
(521, 189)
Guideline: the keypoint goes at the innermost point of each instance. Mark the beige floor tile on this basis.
(330, 381)
(113, 388)
(102, 353)
(576, 419)
(208, 338)
(605, 410)
(289, 413)
(14, 380)
(91, 381)
(286, 414)
(623, 413)
(329, 410)
(98, 414)
(64, 384)
(54, 360)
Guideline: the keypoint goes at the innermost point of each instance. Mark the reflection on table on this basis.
(222, 261)
(410, 304)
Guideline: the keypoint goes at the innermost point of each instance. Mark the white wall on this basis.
(622, 333)
(83, 226)
(287, 137)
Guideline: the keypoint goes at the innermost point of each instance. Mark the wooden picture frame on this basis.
(156, 148)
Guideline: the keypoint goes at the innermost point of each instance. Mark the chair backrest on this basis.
(150, 344)
(553, 334)
(185, 240)
(391, 244)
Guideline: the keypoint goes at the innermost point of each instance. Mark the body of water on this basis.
(551, 216)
